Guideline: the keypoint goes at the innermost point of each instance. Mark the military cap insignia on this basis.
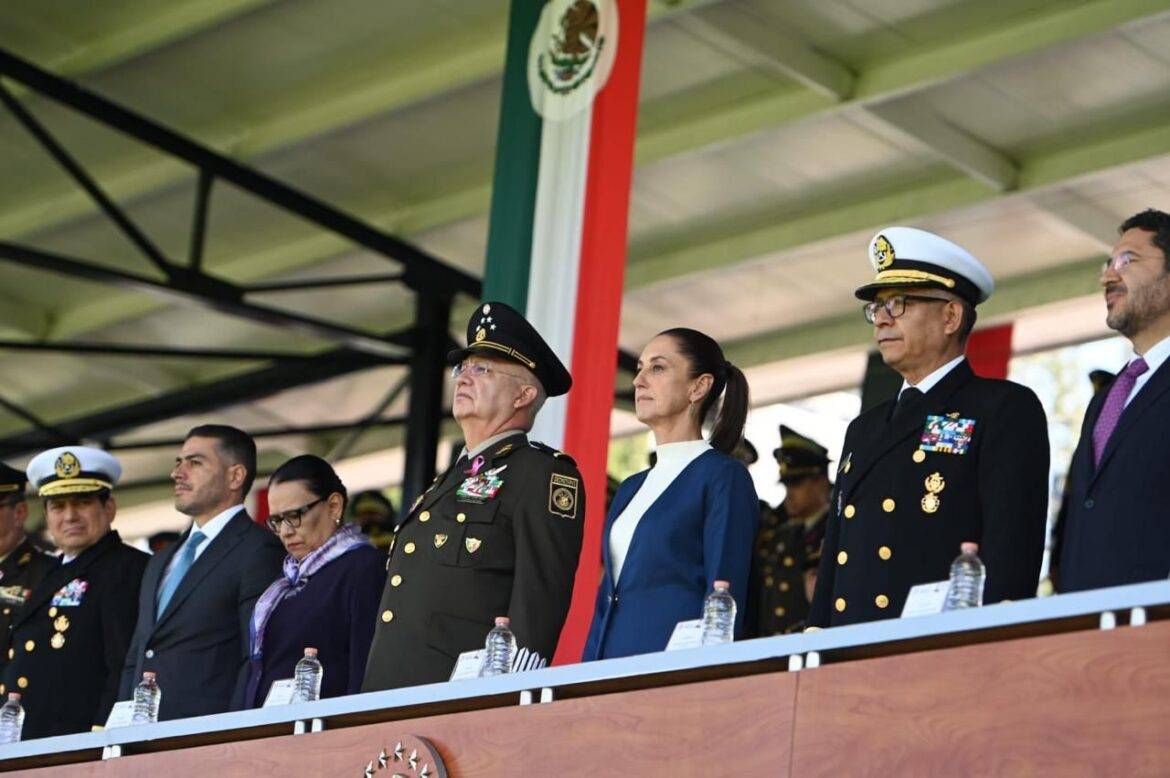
(480, 334)
(883, 253)
(440, 539)
(472, 544)
(947, 435)
(67, 465)
(562, 496)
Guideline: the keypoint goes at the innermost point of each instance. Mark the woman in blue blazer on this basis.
(675, 529)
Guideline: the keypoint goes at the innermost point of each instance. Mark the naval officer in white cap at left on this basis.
(66, 646)
(955, 458)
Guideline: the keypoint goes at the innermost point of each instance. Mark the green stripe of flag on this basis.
(509, 250)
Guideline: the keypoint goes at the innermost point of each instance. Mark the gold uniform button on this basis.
(839, 604)
(408, 548)
(881, 601)
(387, 616)
(29, 645)
(396, 580)
(842, 557)
(424, 516)
(919, 456)
(52, 612)
(849, 511)
(780, 611)
(885, 553)
(789, 561)
(783, 586)
(22, 682)
(7, 611)
(462, 517)
(888, 505)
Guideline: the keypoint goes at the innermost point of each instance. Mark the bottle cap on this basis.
(14, 696)
(503, 621)
(148, 676)
(722, 585)
(310, 651)
(969, 547)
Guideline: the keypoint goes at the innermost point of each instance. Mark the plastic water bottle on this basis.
(967, 576)
(11, 719)
(719, 615)
(147, 696)
(307, 677)
(500, 649)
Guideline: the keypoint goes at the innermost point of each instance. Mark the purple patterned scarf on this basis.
(296, 577)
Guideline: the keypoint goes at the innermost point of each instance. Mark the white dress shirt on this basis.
(1155, 355)
(672, 459)
(928, 383)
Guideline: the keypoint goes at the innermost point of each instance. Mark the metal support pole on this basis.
(428, 363)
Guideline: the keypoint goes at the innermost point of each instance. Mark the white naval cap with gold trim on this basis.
(905, 256)
(73, 470)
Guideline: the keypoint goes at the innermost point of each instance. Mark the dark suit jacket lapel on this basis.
(1152, 393)
(227, 539)
(63, 574)
(887, 436)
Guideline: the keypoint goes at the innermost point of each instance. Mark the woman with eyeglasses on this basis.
(328, 593)
(688, 521)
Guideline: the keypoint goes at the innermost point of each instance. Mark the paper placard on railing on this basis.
(121, 715)
(468, 664)
(926, 599)
(281, 692)
(687, 634)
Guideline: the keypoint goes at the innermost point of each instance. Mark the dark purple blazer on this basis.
(335, 614)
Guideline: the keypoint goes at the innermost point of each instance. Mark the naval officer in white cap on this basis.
(66, 645)
(955, 458)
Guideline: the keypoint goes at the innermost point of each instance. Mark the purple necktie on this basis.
(1114, 405)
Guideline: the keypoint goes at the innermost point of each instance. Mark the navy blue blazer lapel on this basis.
(227, 539)
(619, 504)
(1150, 394)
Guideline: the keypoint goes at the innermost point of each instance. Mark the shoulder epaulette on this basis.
(550, 450)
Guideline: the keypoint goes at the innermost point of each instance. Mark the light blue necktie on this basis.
(186, 559)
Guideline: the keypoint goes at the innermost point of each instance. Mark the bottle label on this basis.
(468, 664)
(926, 599)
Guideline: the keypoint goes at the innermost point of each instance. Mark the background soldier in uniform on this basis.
(499, 533)
(790, 535)
(22, 565)
(956, 458)
(66, 645)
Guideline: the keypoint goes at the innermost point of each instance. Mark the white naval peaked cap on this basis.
(905, 256)
(73, 470)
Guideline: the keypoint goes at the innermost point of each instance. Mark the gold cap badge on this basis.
(67, 465)
(883, 253)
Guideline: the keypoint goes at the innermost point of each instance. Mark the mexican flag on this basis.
(557, 238)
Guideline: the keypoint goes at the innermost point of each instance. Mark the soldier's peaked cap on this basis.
(498, 330)
(905, 256)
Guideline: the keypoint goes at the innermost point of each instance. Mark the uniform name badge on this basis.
(481, 487)
(70, 594)
(947, 434)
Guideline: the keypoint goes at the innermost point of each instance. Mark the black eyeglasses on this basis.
(293, 518)
(896, 305)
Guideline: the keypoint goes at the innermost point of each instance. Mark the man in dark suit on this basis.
(66, 644)
(499, 533)
(1117, 522)
(197, 596)
(22, 564)
(955, 458)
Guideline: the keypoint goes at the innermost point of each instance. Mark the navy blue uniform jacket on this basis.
(1117, 525)
(700, 530)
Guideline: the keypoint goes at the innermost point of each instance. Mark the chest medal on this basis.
(947, 434)
(71, 593)
(481, 487)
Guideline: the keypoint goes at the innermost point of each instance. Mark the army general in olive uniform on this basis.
(499, 533)
(66, 645)
(955, 458)
(22, 564)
